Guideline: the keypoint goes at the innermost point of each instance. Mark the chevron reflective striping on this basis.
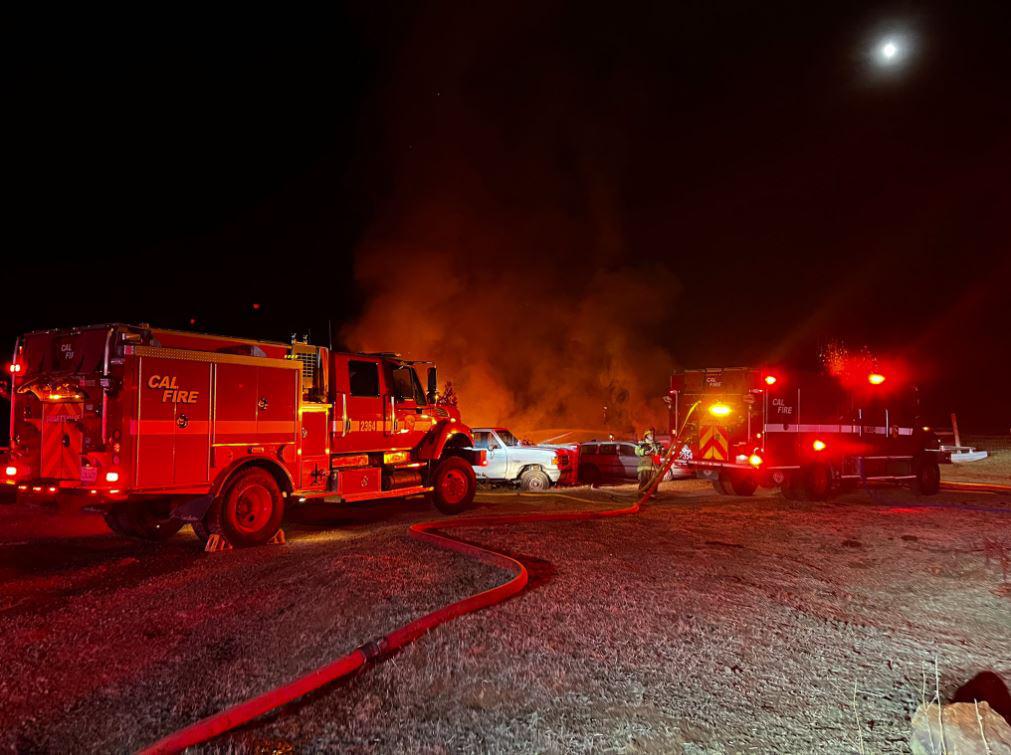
(713, 444)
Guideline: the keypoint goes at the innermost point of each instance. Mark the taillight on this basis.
(14, 368)
(112, 476)
(818, 445)
(770, 379)
(12, 471)
(755, 460)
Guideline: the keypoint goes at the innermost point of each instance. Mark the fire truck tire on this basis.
(735, 484)
(792, 488)
(143, 520)
(453, 485)
(250, 509)
(928, 477)
(817, 485)
(118, 522)
(534, 480)
(743, 485)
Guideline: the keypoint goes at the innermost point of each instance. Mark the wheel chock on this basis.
(217, 543)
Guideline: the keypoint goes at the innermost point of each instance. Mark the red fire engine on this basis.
(811, 435)
(159, 427)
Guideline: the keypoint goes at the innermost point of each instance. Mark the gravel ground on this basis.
(705, 624)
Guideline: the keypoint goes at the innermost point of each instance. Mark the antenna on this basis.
(329, 333)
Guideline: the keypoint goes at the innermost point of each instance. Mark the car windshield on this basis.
(508, 438)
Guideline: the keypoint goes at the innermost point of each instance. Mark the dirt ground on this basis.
(705, 624)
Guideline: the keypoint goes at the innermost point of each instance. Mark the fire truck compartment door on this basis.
(254, 404)
(314, 465)
(61, 440)
(172, 429)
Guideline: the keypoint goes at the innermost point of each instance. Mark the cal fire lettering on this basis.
(781, 407)
(171, 393)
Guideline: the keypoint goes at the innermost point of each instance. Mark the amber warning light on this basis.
(719, 410)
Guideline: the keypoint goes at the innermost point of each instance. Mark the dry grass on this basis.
(705, 624)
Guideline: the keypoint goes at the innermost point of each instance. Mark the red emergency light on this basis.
(875, 378)
(819, 445)
(770, 379)
(14, 368)
(12, 471)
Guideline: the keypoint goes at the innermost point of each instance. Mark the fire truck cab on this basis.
(157, 428)
(808, 434)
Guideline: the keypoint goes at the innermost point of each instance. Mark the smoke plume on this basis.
(500, 244)
(531, 337)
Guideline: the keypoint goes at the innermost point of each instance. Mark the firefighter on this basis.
(647, 450)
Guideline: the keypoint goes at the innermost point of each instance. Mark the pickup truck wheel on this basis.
(453, 485)
(534, 481)
(250, 510)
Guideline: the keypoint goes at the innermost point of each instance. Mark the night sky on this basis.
(778, 188)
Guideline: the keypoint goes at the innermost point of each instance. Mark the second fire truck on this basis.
(811, 435)
(158, 428)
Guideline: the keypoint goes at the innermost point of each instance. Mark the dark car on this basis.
(607, 461)
(615, 461)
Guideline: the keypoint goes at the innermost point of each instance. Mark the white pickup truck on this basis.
(509, 461)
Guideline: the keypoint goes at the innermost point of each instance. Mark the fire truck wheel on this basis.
(722, 486)
(534, 481)
(250, 510)
(791, 487)
(743, 484)
(928, 477)
(118, 522)
(148, 520)
(453, 485)
(817, 482)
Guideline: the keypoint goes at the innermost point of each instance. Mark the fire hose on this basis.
(430, 532)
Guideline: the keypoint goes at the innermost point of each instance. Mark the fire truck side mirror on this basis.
(433, 384)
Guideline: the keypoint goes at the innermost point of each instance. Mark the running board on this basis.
(396, 493)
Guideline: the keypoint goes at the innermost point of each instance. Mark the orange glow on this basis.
(875, 378)
(755, 460)
(719, 410)
(395, 457)
(770, 379)
(112, 476)
(11, 471)
(818, 445)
